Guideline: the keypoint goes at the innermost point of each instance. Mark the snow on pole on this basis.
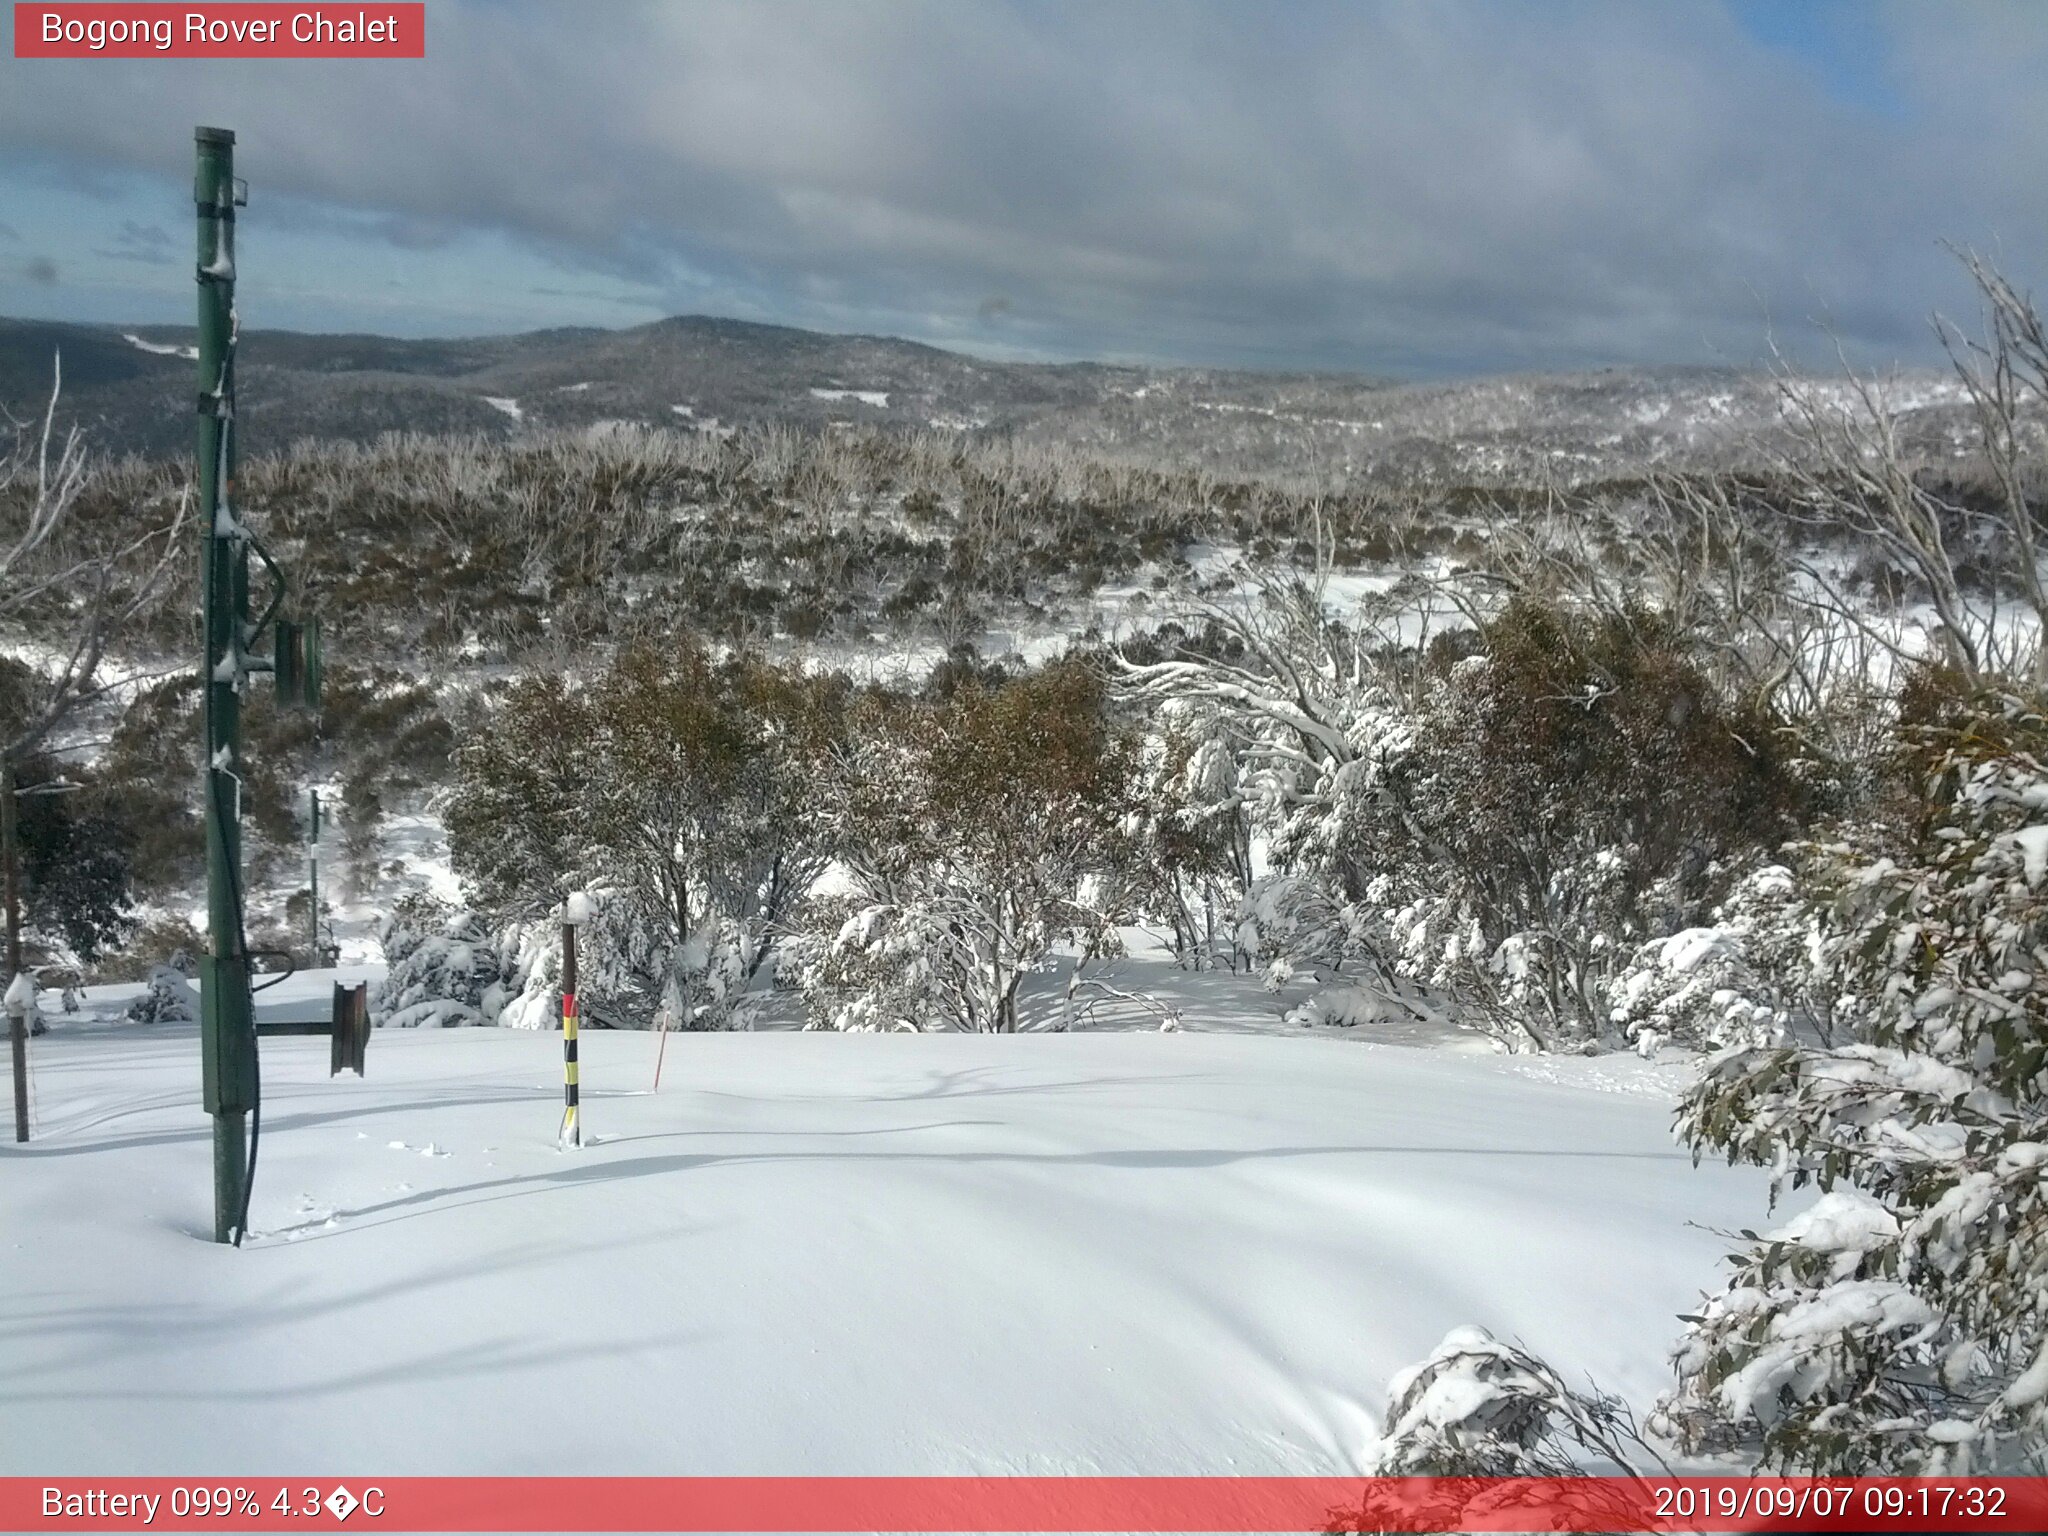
(575, 913)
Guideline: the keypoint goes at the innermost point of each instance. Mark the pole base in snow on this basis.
(230, 1169)
(17, 1047)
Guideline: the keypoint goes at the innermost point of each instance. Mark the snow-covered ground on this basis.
(161, 349)
(1122, 1251)
(879, 398)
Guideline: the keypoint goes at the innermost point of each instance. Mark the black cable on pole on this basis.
(255, 1055)
(255, 1132)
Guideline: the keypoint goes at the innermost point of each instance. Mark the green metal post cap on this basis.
(214, 135)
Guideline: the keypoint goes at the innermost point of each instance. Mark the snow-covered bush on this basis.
(627, 970)
(1748, 977)
(1479, 1408)
(1287, 923)
(675, 785)
(1477, 1412)
(442, 969)
(1188, 837)
(167, 998)
(1508, 820)
(976, 834)
(1692, 988)
(1578, 789)
(1899, 1325)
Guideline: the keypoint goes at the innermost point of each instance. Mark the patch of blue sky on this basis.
(305, 266)
(1844, 45)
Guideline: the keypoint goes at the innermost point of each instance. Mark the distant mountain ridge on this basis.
(132, 389)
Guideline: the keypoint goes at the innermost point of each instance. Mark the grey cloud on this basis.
(9, 232)
(148, 243)
(1430, 186)
(40, 269)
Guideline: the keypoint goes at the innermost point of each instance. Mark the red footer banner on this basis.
(749, 1504)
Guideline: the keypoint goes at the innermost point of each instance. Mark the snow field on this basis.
(814, 1253)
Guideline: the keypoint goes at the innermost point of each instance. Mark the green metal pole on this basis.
(227, 1026)
(17, 1023)
(313, 876)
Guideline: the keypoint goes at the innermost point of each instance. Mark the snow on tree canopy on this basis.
(1898, 1325)
(443, 968)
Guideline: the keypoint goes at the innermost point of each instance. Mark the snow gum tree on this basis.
(514, 833)
(976, 832)
(1190, 855)
(702, 806)
(675, 784)
(1504, 815)
(1578, 787)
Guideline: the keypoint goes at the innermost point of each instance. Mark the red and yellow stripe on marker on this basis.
(572, 1127)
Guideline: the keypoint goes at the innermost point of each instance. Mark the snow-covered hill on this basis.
(705, 374)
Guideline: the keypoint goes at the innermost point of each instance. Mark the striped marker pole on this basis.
(572, 1125)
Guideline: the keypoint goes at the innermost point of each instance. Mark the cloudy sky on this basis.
(1410, 188)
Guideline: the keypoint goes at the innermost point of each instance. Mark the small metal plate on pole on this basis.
(285, 670)
(350, 1038)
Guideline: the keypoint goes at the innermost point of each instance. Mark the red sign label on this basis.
(98, 31)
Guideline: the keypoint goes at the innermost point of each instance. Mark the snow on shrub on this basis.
(1508, 828)
(442, 967)
(1348, 1007)
(167, 998)
(1704, 988)
(976, 833)
(1188, 853)
(1899, 1326)
(627, 968)
(1286, 922)
(1477, 1407)
(672, 791)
